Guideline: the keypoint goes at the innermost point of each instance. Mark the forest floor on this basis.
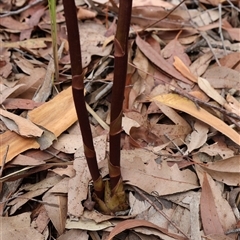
(180, 148)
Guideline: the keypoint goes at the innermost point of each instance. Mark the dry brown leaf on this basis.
(128, 123)
(160, 3)
(41, 221)
(130, 224)
(84, 13)
(17, 144)
(222, 77)
(217, 237)
(61, 105)
(86, 224)
(68, 143)
(13, 25)
(19, 228)
(198, 137)
(175, 50)
(210, 91)
(145, 15)
(25, 65)
(20, 125)
(183, 69)
(226, 171)
(209, 215)
(5, 64)
(183, 104)
(24, 160)
(216, 213)
(33, 190)
(42, 116)
(199, 66)
(20, 103)
(158, 60)
(74, 234)
(30, 82)
(158, 178)
(218, 148)
(56, 207)
(27, 44)
(233, 32)
(231, 60)
(56, 204)
(78, 187)
(233, 104)
(6, 91)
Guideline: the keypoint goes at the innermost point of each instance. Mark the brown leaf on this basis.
(6, 91)
(222, 77)
(183, 104)
(20, 227)
(84, 14)
(129, 224)
(159, 61)
(42, 116)
(16, 143)
(216, 213)
(20, 103)
(209, 215)
(13, 25)
(159, 178)
(57, 214)
(226, 171)
(20, 125)
(174, 49)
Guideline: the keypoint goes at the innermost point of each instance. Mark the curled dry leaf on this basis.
(6, 91)
(210, 91)
(130, 224)
(216, 213)
(89, 225)
(56, 204)
(183, 69)
(159, 61)
(209, 215)
(226, 171)
(183, 104)
(20, 125)
(198, 137)
(16, 143)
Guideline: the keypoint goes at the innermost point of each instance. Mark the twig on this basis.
(203, 34)
(159, 20)
(220, 27)
(172, 141)
(140, 192)
(185, 94)
(21, 9)
(231, 4)
(97, 118)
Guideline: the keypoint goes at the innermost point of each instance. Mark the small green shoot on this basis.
(52, 10)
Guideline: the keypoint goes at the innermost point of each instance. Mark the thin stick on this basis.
(21, 9)
(159, 210)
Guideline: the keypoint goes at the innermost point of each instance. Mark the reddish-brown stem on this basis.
(78, 94)
(120, 71)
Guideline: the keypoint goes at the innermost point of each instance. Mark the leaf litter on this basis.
(181, 126)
